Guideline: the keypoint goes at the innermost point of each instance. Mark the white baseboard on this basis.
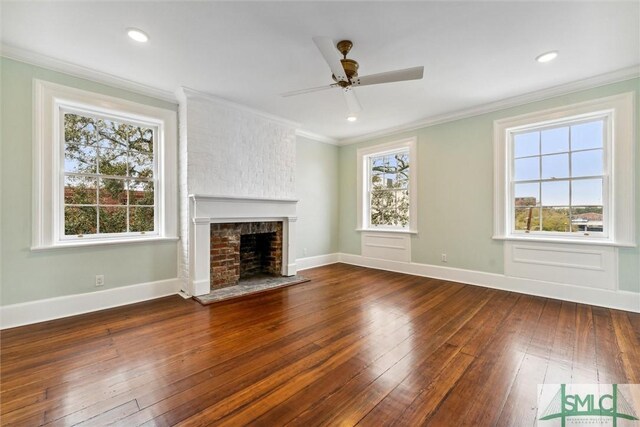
(317, 261)
(622, 300)
(54, 308)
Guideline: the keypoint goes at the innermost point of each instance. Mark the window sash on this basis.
(371, 190)
(63, 110)
(606, 147)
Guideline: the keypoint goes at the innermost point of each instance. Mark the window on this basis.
(104, 169)
(567, 174)
(387, 187)
(558, 178)
(109, 185)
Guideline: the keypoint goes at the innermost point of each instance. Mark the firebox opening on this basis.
(258, 255)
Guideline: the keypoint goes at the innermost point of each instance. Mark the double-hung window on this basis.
(566, 174)
(387, 187)
(109, 176)
(104, 169)
(559, 177)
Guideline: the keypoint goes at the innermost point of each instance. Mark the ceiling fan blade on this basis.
(352, 101)
(303, 91)
(414, 73)
(328, 50)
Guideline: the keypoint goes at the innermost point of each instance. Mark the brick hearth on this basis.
(243, 249)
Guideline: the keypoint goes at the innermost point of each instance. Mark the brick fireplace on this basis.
(243, 249)
(217, 227)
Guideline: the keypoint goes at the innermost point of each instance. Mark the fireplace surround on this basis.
(209, 212)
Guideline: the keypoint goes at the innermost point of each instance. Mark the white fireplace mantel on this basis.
(207, 209)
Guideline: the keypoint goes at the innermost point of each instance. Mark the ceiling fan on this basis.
(345, 73)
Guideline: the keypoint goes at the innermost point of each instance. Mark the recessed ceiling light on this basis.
(548, 56)
(137, 35)
(352, 117)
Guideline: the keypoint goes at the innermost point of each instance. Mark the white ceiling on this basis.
(249, 52)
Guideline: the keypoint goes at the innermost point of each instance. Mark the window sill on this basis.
(575, 241)
(77, 244)
(386, 230)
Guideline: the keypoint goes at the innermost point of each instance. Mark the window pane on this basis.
(556, 219)
(527, 219)
(588, 218)
(376, 163)
(525, 169)
(80, 130)
(389, 207)
(79, 158)
(113, 219)
(79, 220)
(112, 135)
(527, 194)
(79, 190)
(555, 140)
(402, 204)
(388, 179)
(112, 192)
(141, 140)
(586, 192)
(555, 193)
(402, 178)
(141, 193)
(555, 166)
(382, 207)
(141, 219)
(140, 164)
(526, 144)
(586, 163)
(377, 181)
(586, 135)
(113, 162)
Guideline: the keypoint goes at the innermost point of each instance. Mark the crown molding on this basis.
(183, 93)
(62, 66)
(316, 137)
(86, 73)
(75, 70)
(564, 89)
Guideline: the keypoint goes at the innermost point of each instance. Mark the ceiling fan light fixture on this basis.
(137, 35)
(352, 118)
(547, 56)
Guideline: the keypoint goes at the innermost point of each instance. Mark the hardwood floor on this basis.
(354, 346)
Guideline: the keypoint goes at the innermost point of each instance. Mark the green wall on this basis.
(26, 275)
(455, 204)
(317, 192)
(456, 169)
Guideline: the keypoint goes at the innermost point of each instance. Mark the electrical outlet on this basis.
(443, 257)
(100, 280)
(304, 251)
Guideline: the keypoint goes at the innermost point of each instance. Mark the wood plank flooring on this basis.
(354, 346)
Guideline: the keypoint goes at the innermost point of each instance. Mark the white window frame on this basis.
(51, 102)
(363, 156)
(619, 170)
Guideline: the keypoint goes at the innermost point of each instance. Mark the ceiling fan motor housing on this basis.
(350, 66)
